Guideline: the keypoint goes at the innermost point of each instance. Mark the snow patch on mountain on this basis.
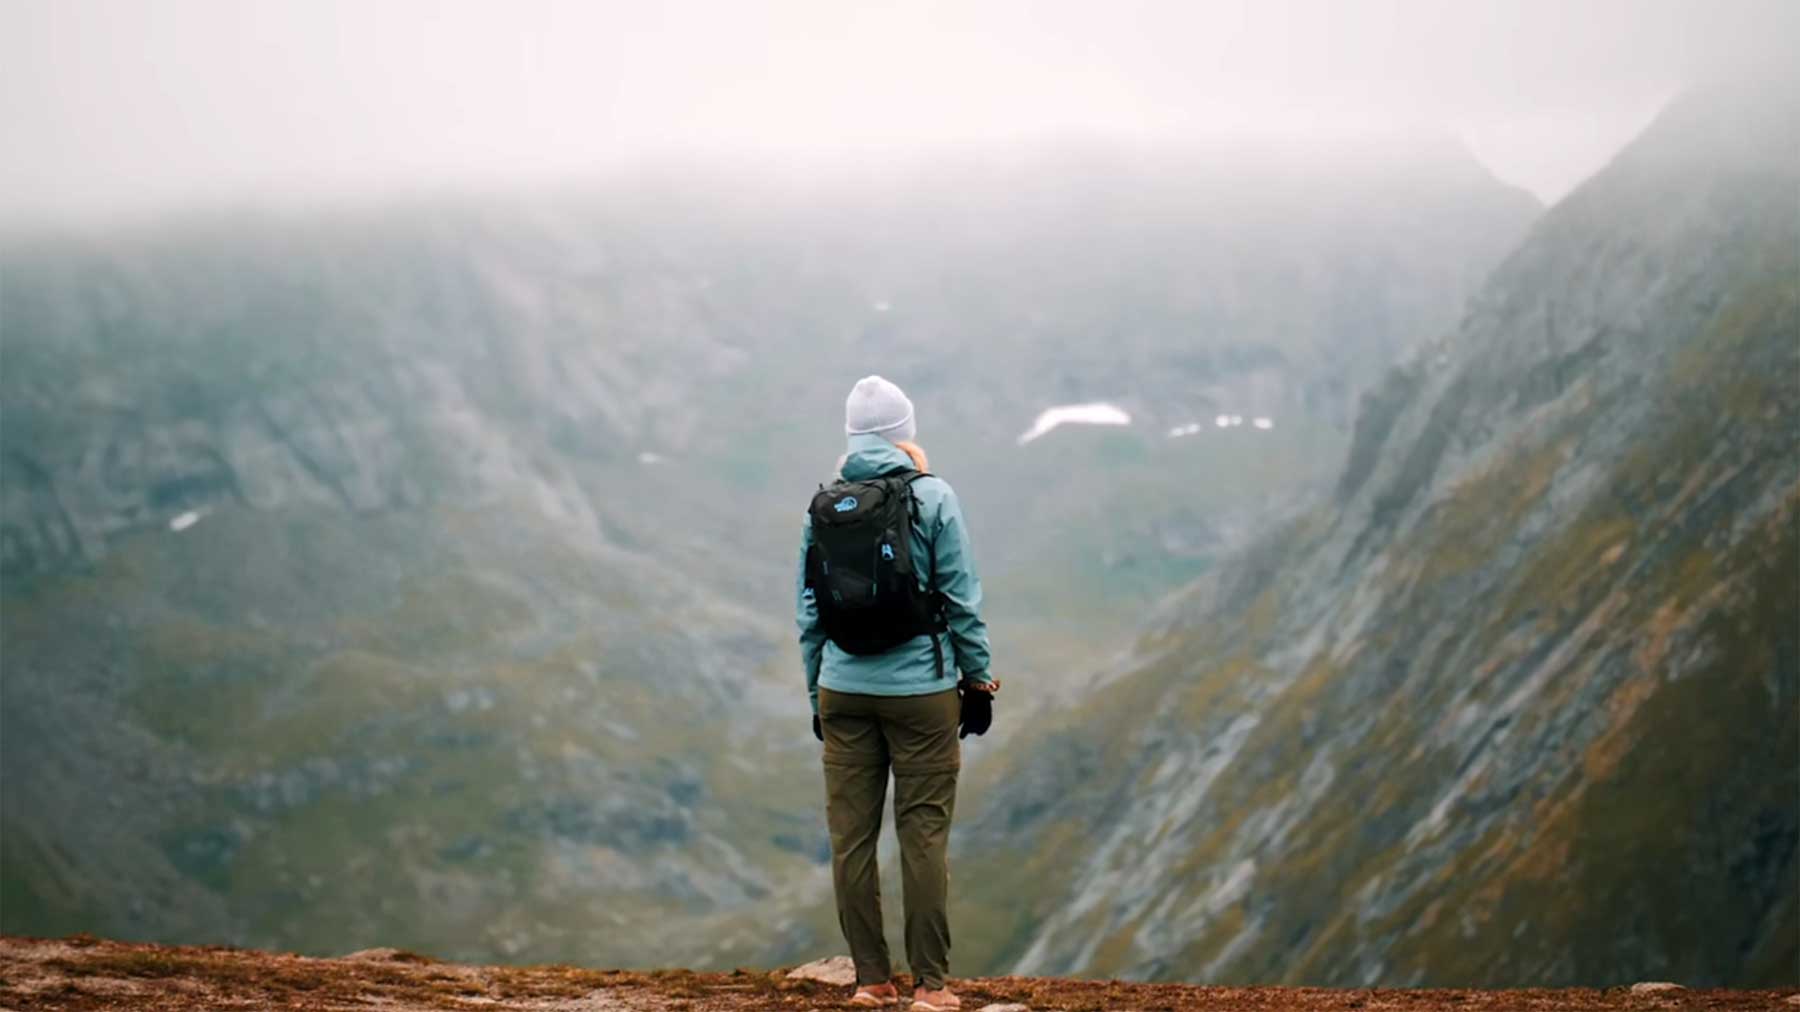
(1094, 413)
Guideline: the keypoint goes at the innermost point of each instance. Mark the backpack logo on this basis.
(846, 504)
(887, 552)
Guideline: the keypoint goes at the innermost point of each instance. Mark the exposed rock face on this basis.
(1522, 703)
(311, 603)
(457, 354)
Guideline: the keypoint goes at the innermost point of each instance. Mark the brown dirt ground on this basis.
(85, 973)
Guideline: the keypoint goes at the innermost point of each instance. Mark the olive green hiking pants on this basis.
(915, 737)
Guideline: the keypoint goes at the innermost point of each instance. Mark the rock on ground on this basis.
(837, 970)
(381, 955)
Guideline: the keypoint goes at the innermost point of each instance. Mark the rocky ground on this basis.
(86, 973)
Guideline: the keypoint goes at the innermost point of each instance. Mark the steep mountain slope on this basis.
(294, 727)
(420, 576)
(1522, 704)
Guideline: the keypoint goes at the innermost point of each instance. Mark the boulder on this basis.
(380, 955)
(832, 970)
(1655, 987)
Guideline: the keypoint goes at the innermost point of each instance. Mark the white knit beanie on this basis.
(877, 407)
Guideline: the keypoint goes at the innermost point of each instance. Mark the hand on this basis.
(977, 709)
(818, 729)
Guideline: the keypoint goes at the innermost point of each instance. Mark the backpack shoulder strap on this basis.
(931, 577)
(909, 477)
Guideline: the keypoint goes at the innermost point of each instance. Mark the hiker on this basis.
(889, 613)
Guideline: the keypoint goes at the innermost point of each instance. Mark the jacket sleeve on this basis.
(806, 615)
(960, 587)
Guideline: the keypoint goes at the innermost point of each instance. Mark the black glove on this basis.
(977, 711)
(818, 731)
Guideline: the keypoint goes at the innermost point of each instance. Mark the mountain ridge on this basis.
(381, 562)
(1555, 563)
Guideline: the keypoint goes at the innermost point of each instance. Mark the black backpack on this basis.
(860, 566)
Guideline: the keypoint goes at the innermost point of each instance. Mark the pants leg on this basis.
(921, 733)
(856, 774)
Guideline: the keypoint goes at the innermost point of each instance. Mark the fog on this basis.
(115, 108)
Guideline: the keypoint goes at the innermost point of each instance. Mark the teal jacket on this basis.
(908, 669)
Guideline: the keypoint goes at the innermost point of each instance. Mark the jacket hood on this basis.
(872, 456)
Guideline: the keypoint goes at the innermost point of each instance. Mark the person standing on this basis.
(889, 609)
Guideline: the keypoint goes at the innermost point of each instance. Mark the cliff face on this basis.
(420, 576)
(1521, 703)
(458, 353)
(315, 616)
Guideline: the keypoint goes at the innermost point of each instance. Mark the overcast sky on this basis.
(115, 107)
